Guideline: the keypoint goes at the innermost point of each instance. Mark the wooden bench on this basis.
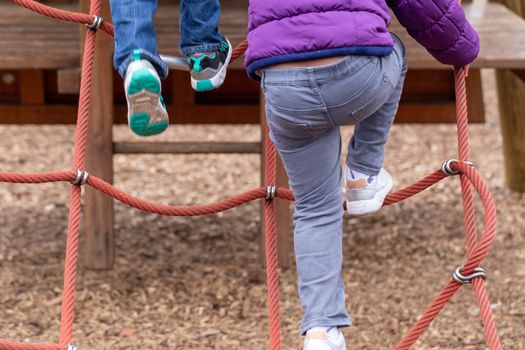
(39, 70)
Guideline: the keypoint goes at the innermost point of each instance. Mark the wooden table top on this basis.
(29, 40)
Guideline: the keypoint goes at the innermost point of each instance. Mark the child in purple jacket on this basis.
(323, 64)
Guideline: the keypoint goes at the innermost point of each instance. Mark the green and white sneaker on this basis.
(147, 113)
(208, 70)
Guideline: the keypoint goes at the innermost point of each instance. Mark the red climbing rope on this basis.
(477, 249)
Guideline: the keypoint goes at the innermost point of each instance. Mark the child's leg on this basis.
(315, 176)
(367, 146)
(209, 53)
(199, 26)
(310, 147)
(133, 21)
(138, 62)
(367, 182)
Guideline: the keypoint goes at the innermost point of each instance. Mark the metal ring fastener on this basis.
(271, 191)
(97, 22)
(72, 347)
(82, 178)
(447, 169)
(478, 273)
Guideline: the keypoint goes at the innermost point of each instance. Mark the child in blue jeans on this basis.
(138, 62)
(324, 64)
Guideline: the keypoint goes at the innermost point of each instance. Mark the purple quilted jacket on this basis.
(294, 30)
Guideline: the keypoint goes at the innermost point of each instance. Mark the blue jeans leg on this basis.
(134, 29)
(199, 26)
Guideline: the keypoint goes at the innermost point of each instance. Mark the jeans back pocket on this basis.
(378, 96)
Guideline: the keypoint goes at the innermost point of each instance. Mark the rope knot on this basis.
(97, 22)
(82, 178)
(447, 169)
(478, 273)
(271, 192)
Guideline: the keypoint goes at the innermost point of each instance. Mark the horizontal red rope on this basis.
(197, 210)
(415, 188)
(239, 50)
(62, 15)
(6, 345)
(155, 208)
(56, 176)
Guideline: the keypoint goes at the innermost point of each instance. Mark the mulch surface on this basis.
(195, 283)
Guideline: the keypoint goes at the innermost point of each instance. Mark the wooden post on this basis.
(32, 87)
(282, 206)
(476, 108)
(98, 208)
(511, 92)
(181, 91)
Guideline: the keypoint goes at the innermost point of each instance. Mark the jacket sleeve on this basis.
(441, 27)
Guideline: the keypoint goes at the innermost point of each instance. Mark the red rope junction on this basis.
(469, 273)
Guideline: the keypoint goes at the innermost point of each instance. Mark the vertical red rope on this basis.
(272, 268)
(463, 153)
(70, 268)
(482, 299)
(475, 252)
(79, 156)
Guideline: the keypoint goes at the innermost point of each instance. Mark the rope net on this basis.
(477, 248)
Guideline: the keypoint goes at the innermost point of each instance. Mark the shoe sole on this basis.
(358, 208)
(216, 81)
(141, 87)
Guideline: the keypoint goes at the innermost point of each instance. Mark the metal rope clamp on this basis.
(82, 178)
(72, 347)
(97, 22)
(447, 169)
(271, 192)
(478, 273)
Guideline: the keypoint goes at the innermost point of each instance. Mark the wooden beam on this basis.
(32, 87)
(98, 208)
(284, 216)
(37, 114)
(181, 91)
(21, 44)
(520, 73)
(68, 81)
(187, 114)
(475, 105)
(511, 92)
(409, 112)
(186, 147)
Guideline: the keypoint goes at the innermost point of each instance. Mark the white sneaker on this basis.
(319, 340)
(365, 195)
(147, 113)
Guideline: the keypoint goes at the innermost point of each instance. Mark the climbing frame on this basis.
(78, 176)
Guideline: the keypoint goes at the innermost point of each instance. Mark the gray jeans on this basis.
(305, 107)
